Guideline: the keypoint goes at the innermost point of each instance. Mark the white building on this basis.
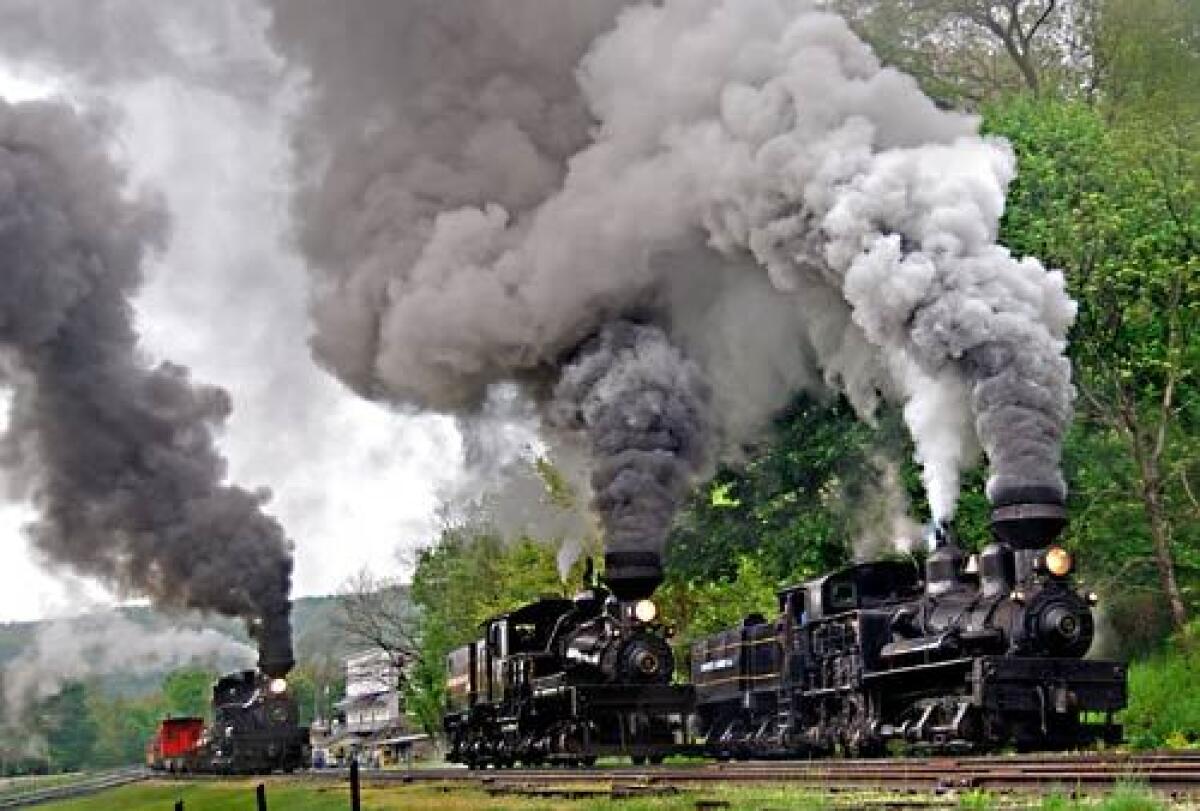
(370, 721)
(373, 702)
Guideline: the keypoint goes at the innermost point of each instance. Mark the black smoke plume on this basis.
(645, 411)
(118, 455)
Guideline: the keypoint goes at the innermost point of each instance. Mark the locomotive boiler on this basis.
(971, 657)
(566, 681)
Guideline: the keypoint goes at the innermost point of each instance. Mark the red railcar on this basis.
(174, 744)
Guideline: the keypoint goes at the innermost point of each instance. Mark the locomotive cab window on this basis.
(526, 636)
(843, 596)
(497, 636)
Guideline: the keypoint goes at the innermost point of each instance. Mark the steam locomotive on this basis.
(971, 657)
(974, 657)
(255, 729)
(566, 681)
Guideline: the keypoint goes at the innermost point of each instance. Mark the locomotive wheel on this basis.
(589, 761)
(657, 759)
(638, 760)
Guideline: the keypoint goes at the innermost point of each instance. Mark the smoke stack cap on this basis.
(632, 575)
(1028, 517)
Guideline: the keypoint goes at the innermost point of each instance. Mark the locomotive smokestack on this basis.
(274, 633)
(632, 574)
(275, 657)
(1028, 517)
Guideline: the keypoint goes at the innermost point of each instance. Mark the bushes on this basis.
(1164, 695)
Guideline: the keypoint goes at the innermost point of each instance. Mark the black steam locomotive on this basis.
(566, 681)
(255, 726)
(254, 730)
(975, 657)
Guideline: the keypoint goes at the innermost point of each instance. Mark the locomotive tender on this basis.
(968, 660)
(973, 657)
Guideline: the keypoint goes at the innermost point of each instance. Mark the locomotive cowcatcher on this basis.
(566, 681)
(971, 658)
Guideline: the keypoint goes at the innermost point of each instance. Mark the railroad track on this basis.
(86, 784)
(1171, 774)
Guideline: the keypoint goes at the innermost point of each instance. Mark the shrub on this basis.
(1164, 695)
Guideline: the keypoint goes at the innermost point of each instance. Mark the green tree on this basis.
(1116, 208)
(807, 498)
(188, 692)
(970, 51)
(123, 725)
(698, 608)
(469, 575)
(70, 729)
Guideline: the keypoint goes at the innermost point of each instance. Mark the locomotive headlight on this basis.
(645, 610)
(1058, 561)
(277, 686)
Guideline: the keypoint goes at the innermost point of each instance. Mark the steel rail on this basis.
(1176, 775)
(1173, 774)
(89, 784)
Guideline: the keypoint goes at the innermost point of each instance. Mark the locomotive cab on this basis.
(862, 586)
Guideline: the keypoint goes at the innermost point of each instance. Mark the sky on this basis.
(354, 483)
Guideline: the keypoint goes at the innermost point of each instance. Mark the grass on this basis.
(298, 795)
(291, 794)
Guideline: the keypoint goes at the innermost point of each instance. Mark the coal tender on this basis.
(569, 680)
(980, 654)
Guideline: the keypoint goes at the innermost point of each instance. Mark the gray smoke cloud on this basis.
(109, 643)
(645, 410)
(211, 43)
(117, 455)
(487, 186)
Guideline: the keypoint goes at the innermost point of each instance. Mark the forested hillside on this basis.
(1101, 103)
(61, 708)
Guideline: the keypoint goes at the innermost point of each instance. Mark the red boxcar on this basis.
(173, 744)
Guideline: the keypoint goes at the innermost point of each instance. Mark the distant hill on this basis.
(317, 638)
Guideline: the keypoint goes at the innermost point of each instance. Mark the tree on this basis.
(188, 692)
(376, 612)
(976, 50)
(1116, 207)
(468, 575)
(69, 726)
(821, 486)
(123, 725)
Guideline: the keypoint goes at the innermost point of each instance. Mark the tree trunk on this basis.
(1152, 492)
